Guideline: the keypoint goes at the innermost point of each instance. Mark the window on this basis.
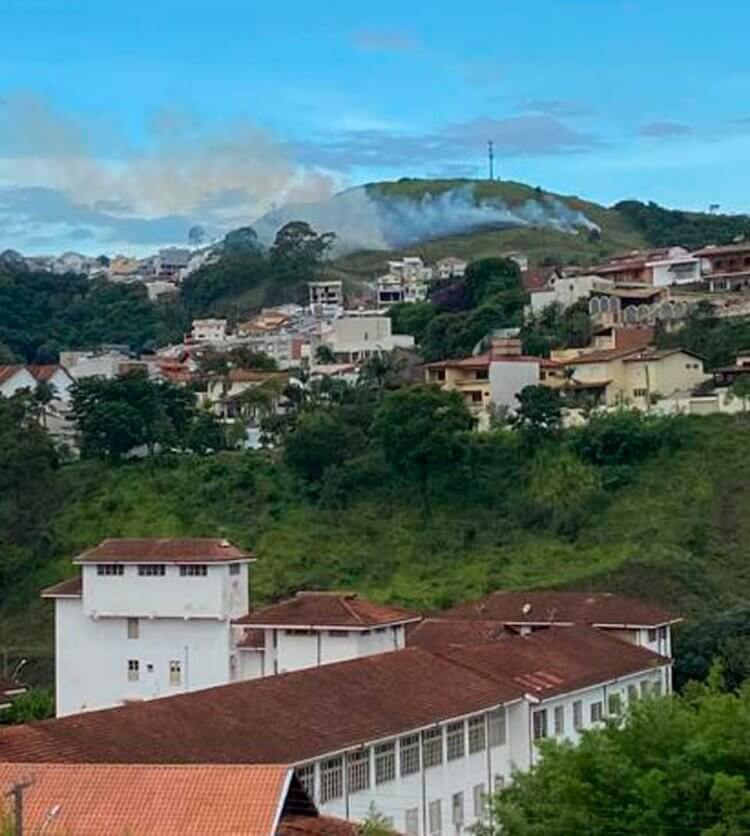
(432, 747)
(133, 670)
(477, 737)
(614, 704)
(645, 688)
(559, 720)
(152, 570)
(337, 634)
(358, 774)
(455, 741)
(110, 569)
(175, 672)
(662, 633)
(577, 715)
(479, 801)
(597, 712)
(331, 779)
(652, 634)
(385, 762)
(540, 723)
(457, 809)
(409, 751)
(497, 727)
(476, 397)
(194, 571)
(435, 818)
(132, 628)
(441, 374)
(411, 822)
(632, 693)
(640, 393)
(234, 568)
(483, 374)
(306, 776)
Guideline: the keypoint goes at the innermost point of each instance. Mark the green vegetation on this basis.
(673, 765)
(715, 339)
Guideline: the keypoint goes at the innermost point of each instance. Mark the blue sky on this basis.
(121, 124)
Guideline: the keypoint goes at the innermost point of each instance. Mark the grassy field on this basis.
(678, 533)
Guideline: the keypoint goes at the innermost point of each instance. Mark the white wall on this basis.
(508, 377)
(92, 657)
(22, 379)
(663, 276)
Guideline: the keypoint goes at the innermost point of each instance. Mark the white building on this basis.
(358, 335)
(209, 330)
(326, 298)
(411, 268)
(82, 364)
(14, 379)
(451, 268)
(317, 628)
(145, 619)
(567, 290)
(423, 734)
(677, 267)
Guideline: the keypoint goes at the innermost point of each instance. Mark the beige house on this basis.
(637, 377)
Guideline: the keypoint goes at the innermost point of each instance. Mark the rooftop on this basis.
(483, 361)
(293, 717)
(96, 799)
(7, 372)
(727, 249)
(70, 588)
(165, 550)
(328, 609)
(597, 608)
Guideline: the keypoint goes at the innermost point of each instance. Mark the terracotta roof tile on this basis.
(45, 373)
(70, 588)
(326, 609)
(317, 826)
(166, 550)
(438, 634)
(7, 372)
(562, 607)
(92, 800)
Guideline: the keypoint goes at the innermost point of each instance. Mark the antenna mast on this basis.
(491, 156)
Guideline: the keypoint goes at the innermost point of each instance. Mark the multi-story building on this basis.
(358, 335)
(209, 330)
(659, 267)
(423, 735)
(451, 268)
(326, 298)
(726, 268)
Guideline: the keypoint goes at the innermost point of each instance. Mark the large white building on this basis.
(423, 733)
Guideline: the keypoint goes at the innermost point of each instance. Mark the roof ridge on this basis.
(344, 601)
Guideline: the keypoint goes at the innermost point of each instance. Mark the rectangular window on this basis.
(411, 822)
(306, 776)
(385, 762)
(358, 774)
(596, 712)
(234, 568)
(614, 704)
(432, 747)
(152, 570)
(476, 397)
(499, 783)
(477, 737)
(409, 752)
(435, 818)
(194, 570)
(559, 720)
(540, 723)
(132, 628)
(331, 779)
(632, 693)
(110, 569)
(175, 672)
(133, 670)
(457, 809)
(577, 715)
(640, 393)
(662, 633)
(652, 634)
(497, 727)
(455, 741)
(480, 801)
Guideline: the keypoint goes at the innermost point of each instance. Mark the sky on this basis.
(122, 125)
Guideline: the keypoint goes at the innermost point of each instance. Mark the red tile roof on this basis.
(45, 373)
(439, 634)
(7, 372)
(70, 588)
(93, 800)
(328, 609)
(563, 608)
(252, 640)
(725, 250)
(317, 826)
(166, 550)
(294, 717)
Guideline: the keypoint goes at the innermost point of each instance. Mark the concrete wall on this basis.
(508, 377)
(23, 379)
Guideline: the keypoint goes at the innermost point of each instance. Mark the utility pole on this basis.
(491, 155)
(17, 791)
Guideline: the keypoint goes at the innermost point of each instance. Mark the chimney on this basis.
(504, 347)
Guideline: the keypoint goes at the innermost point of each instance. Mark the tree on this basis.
(489, 276)
(317, 443)
(42, 396)
(741, 389)
(675, 765)
(35, 704)
(382, 371)
(298, 251)
(241, 240)
(419, 431)
(324, 355)
(539, 410)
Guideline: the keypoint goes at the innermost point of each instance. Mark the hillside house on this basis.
(326, 298)
(727, 375)
(451, 268)
(423, 735)
(229, 399)
(356, 336)
(15, 379)
(566, 291)
(725, 268)
(209, 330)
(656, 267)
(170, 263)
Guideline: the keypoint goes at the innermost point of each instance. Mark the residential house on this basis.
(209, 331)
(411, 269)
(326, 298)
(160, 289)
(106, 363)
(226, 394)
(394, 290)
(422, 735)
(520, 259)
(656, 267)
(15, 379)
(122, 268)
(451, 268)
(170, 263)
(146, 618)
(165, 800)
(727, 375)
(726, 268)
(635, 376)
(565, 291)
(494, 378)
(317, 628)
(356, 336)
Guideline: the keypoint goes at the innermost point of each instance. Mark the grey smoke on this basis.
(365, 220)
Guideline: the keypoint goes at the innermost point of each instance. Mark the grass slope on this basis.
(679, 533)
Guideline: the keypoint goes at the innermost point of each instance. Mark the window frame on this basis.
(306, 773)
(193, 570)
(134, 670)
(480, 800)
(577, 715)
(358, 771)
(596, 711)
(435, 816)
(331, 779)
(455, 740)
(497, 724)
(558, 720)
(539, 727)
(432, 747)
(477, 733)
(385, 762)
(457, 808)
(110, 570)
(133, 628)
(410, 754)
(175, 672)
(152, 570)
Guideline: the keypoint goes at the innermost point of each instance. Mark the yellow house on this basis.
(638, 377)
(471, 377)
